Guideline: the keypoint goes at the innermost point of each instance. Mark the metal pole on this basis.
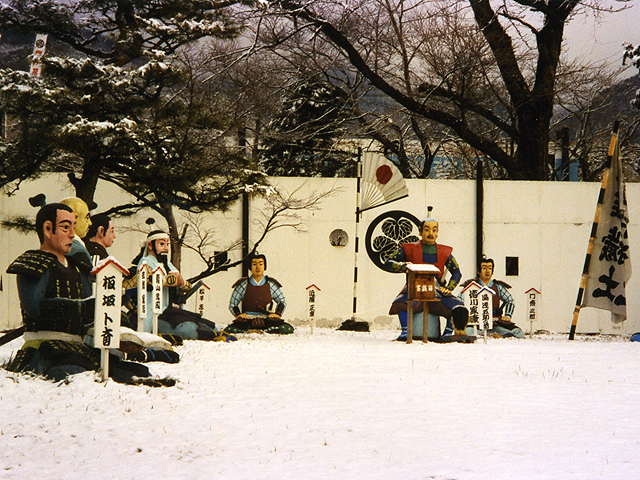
(242, 142)
(245, 232)
(479, 209)
(357, 240)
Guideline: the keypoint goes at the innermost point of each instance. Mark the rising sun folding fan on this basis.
(382, 182)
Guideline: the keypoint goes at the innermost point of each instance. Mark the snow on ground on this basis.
(339, 405)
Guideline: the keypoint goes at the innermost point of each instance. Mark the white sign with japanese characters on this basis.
(485, 308)
(472, 302)
(39, 48)
(532, 304)
(157, 277)
(200, 297)
(108, 303)
(143, 279)
(312, 293)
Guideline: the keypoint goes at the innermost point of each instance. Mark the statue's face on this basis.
(429, 233)
(109, 236)
(257, 267)
(83, 220)
(162, 246)
(486, 272)
(59, 240)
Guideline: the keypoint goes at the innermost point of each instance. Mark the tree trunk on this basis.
(533, 106)
(533, 146)
(86, 185)
(166, 210)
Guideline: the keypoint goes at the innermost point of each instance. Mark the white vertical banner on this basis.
(39, 48)
(143, 280)
(157, 280)
(609, 267)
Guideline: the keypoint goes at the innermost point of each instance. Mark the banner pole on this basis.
(594, 228)
(356, 242)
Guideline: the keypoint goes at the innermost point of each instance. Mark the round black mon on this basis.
(387, 233)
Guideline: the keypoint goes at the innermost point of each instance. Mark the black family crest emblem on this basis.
(387, 233)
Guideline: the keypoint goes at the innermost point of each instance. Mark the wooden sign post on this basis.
(533, 303)
(472, 302)
(156, 308)
(143, 280)
(485, 312)
(311, 304)
(106, 324)
(421, 280)
(200, 299)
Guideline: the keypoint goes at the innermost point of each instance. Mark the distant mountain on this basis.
(612, 103)
(616, 102)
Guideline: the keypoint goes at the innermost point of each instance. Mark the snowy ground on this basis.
(339, 405)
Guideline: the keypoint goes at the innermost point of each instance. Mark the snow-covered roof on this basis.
(102, 264)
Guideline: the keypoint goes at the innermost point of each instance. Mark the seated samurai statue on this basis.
(262, 302)
(54, 289)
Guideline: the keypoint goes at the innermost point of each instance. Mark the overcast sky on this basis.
(602, 40)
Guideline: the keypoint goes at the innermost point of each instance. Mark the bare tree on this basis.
(483, 72)
(282, 211)
(588, 100)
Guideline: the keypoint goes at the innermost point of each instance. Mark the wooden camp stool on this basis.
(421, 285)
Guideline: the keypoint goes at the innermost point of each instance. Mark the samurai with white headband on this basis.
(173, 320)
(156, 254)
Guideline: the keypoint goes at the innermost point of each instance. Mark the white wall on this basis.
(545, 224)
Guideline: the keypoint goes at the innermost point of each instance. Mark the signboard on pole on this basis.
(311, 304)
(156, 308)
(485, 295)
(533, 304)
(108, 303)
(479, 302)
(200, 299)
(472, 302)
(143, 280)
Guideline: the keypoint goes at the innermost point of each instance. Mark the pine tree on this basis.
(114, 102)
(300, 139)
